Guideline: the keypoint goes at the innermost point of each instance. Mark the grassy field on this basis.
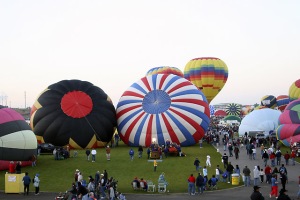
(58, 175)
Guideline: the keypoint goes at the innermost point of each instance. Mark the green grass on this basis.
(58, 175)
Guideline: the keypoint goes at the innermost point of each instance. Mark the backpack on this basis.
(224, 175)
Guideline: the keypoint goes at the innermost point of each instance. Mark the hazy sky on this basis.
(112, 44)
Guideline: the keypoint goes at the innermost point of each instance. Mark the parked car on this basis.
(46, 148)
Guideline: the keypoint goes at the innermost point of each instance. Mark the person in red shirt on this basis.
(286, 158)
(268, 173)
(191, 184)
(293, 156)
(272, 158)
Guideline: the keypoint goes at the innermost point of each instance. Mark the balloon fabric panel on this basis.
(294, 90)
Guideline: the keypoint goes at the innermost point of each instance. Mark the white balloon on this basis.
(264, 120)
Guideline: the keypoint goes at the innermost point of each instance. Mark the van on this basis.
(255, 133)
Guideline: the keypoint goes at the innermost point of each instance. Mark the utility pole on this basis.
(25, 98)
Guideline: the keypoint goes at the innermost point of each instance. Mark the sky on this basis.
(112, 44)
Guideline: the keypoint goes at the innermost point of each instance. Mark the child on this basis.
(261, 174)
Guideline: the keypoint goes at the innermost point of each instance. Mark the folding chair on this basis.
(151, 186)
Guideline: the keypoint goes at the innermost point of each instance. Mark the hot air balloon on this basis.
(247, 109)
(263, 120)
(208, 74)
(220, 113)
(165, 70)
(17, 141)
(162, 107)
(269, 101)
(288, 131)
(294, 91)
(282, 101)
(233, 109)
(75, 113)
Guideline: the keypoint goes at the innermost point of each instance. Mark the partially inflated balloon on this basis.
(269, 101)
(165, 70)
(75, 113)
(294, 91)
(288, 131)
(282, 101)
(17, 141)
(209, 74)
(162, 107)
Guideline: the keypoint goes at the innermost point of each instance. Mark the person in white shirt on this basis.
(208, 161)
(94, 152)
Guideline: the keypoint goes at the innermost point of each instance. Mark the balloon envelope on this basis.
(282, 101)
(17, 141)
(165, 70)
(269, 101)
(288, 131)
(209, 74)
(162, 107)
(294, 91)
(75, 113)
(260, 120)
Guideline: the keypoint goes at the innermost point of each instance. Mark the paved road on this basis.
(232, 194)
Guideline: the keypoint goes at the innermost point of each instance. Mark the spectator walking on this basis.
(191, 185)
(274, 186)
(229, 169)
(200, 183)
(26, 183)
(197, 164)
(36, 184)
(131, 154)
(268, 173)
(246, 172)
(256, 176)
(283, 195)
(256, 195)
(287, 158)
(225, 160)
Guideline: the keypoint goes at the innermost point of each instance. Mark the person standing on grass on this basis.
(107, 153)
(94, 152)
(88, 153)
(155, 164)
(197, 164)
(36, 184)
(208, 161)
(131, 154)
(26, 183)
(140, 151)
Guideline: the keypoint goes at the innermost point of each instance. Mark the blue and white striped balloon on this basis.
(162, 107)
